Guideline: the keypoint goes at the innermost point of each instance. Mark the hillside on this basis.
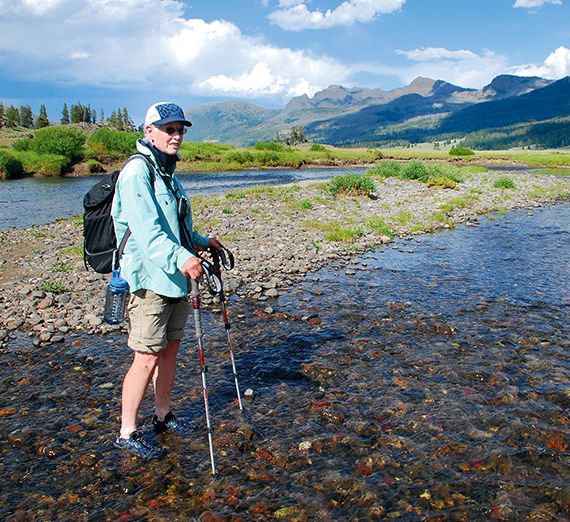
(425, 109)
(227, 122)
(541, 104)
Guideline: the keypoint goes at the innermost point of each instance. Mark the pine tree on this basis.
(2, 116)
(12, 117)
(120, 122)
(42, 120)
(64, 115)
(76, 113)
(127, 122)
(26, 117)
(113, 119)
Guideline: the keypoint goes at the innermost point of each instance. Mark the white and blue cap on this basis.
(165, 112)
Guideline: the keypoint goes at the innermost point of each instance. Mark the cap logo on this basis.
(167, 110)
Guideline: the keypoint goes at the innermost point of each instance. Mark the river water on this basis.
(429, 381)
(35, 201)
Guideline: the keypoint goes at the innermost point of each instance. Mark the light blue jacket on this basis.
(153, 255)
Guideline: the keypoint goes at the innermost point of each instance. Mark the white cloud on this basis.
(461, 67)
(556, 66)
(109, 43)
(293, 15)
(535, 4)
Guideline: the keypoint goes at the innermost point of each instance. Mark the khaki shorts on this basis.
(154, 320)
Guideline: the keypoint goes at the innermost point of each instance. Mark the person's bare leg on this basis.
(135, 385)
(163, 378)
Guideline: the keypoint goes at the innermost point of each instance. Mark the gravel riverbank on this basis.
(277, 235)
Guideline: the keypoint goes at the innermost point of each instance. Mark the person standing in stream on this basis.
(158, 260)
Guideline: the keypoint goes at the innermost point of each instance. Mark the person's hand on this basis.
(215, 243)
(192, 268)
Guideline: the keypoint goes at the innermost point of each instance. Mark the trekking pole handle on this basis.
(225, 255)
(195, 296)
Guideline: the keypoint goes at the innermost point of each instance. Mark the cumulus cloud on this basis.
(293, 15)
(556, 65)
(109, 43)
(460, 67)
(535, 4)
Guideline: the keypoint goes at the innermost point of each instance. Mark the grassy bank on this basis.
(84, 150)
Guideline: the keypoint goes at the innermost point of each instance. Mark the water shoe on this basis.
(140, 447)
(170, 422)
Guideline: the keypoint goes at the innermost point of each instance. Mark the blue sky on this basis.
(115, 53)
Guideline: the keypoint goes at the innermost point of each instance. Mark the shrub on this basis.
(59, 140)
(23, 144)
(317, 147)
(94, 166)
(442, 183)
(387, 169)
(270, 145)
(193, 150)
(240, 157)
(10, 167)
(504, 182)
(351, 185)
(43, 164)
(109, 143)
(461, 151)
(416, 170)
(269, 157)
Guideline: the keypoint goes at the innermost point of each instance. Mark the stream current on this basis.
(428, 380)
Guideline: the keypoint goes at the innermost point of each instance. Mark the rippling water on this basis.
(35, 201)
(427, 382)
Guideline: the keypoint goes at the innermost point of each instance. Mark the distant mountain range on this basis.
(510, 111)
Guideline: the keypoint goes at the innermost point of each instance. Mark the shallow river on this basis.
(35, 201)
(424, 382)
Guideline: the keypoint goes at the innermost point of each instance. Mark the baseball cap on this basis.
(165, 112)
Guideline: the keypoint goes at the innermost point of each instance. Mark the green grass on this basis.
(438, 174)
(351, 185)
(73, 251)
(336, 231)
(504, 182)
(62, 267)
(378, 225)
(54, 287)
(403, 218)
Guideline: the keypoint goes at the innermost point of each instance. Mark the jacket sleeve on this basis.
(156, 241)
(196, 238)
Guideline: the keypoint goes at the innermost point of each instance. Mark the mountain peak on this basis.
(506, 85)
(421, 83)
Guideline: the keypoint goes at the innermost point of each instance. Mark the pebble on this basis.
(248, 393)
(266, 267)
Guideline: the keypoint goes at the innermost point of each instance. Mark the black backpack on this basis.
(100, 249)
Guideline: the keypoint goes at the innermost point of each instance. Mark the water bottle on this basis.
(116, 299)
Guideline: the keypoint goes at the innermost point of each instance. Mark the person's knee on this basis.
(172, 345)
(145, 361)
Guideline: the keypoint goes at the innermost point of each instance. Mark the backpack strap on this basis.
(121, 248)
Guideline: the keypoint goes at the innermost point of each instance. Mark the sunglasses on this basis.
(175, 130)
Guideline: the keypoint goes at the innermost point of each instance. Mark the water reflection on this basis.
(424, 385)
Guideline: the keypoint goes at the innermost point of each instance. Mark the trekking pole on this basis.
(195, 295)
(228, 263)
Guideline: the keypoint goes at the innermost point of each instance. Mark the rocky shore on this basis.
(277, 235)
